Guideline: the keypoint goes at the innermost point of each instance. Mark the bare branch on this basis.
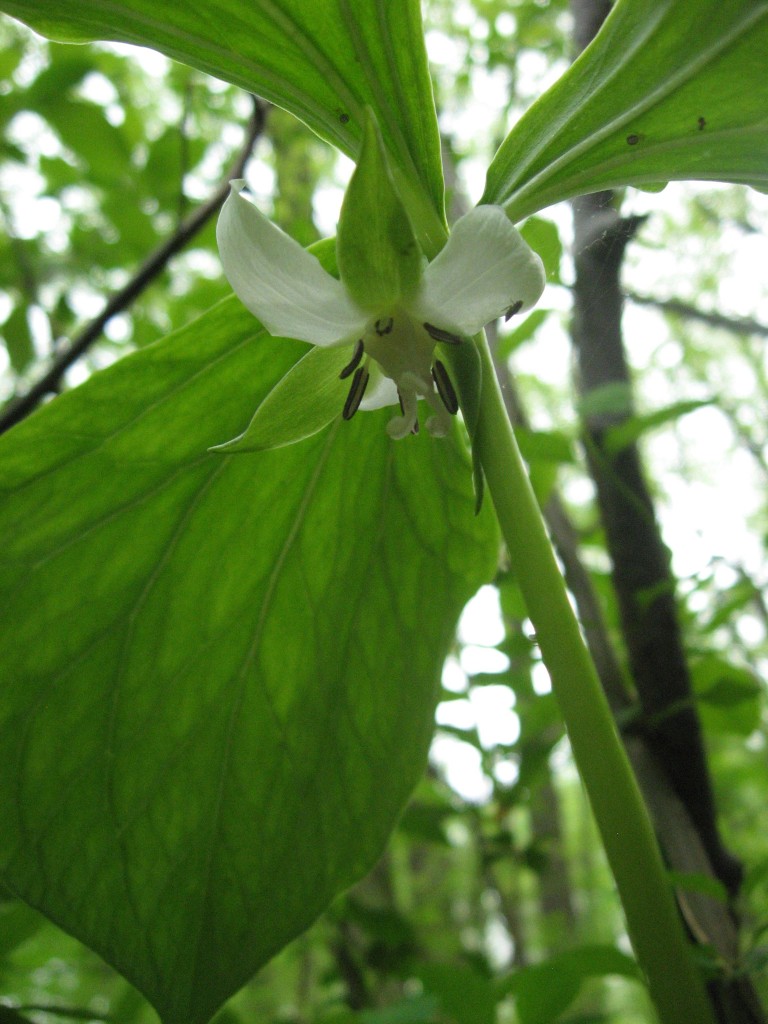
(736, 324)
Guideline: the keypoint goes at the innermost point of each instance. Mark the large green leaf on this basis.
(219, 672)
(669, 89)
(324, 60)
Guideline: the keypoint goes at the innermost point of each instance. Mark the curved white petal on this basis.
(279, 281)
(485, 268)
(381, 391)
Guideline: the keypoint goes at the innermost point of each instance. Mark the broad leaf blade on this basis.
(324, 60)
(669, 89)
(219, 673)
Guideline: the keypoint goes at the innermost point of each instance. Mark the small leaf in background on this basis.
(544, 445)
(543, 237)
(729, 697)
(696, 882)
(542, 992)
(464, 996)
(247, 650)
(18, 339)
(667, 90)
(508, 342)
(626, 433)
(611, 401)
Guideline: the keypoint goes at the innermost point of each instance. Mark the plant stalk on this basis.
(676, 987)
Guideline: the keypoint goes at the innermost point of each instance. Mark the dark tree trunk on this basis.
(645, 587)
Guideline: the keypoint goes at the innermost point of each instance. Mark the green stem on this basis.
(654, 925)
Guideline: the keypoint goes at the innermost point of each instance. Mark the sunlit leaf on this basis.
(219, 671)
(669, 89)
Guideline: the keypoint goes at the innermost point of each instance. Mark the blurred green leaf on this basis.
(542, 236)
(545, 445)
(626, 433)
(508, 342)
(544, 991)
(18, 339)
(84, 128)
(696, 882)
(464, 996)
(728, 696)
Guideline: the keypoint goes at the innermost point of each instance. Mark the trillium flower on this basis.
(389, 307)
(485, 270)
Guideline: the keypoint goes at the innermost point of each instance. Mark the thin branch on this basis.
(736, 324)
(152, 267)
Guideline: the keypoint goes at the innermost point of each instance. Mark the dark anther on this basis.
(438, 334)
(356, 392)
(514, 308)
(383, 327)
(354, 362)
(445, 388)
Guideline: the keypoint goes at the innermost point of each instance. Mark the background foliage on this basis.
(492, 901)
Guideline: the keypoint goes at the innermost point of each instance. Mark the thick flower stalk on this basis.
(389, 307)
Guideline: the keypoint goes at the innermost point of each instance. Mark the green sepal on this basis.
(379, 258)
(466, 368)
(304, 401)
(307, 398)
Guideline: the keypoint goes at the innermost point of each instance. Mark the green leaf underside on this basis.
(220, 672)
(669, 89)
(324, 60)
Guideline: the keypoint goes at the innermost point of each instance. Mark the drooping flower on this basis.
(389, 308)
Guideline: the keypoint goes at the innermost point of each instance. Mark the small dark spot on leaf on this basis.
(344, 117)
(702, 122)
(632, 140)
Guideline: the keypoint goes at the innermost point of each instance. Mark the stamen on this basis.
(514, 308)
(357, 355)
(445, 388)
(356, 392)
(438, 334)
(415, 427)
(383, 327)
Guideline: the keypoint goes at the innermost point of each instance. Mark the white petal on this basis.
(279, 281)
(485, 267)
(381, 391)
